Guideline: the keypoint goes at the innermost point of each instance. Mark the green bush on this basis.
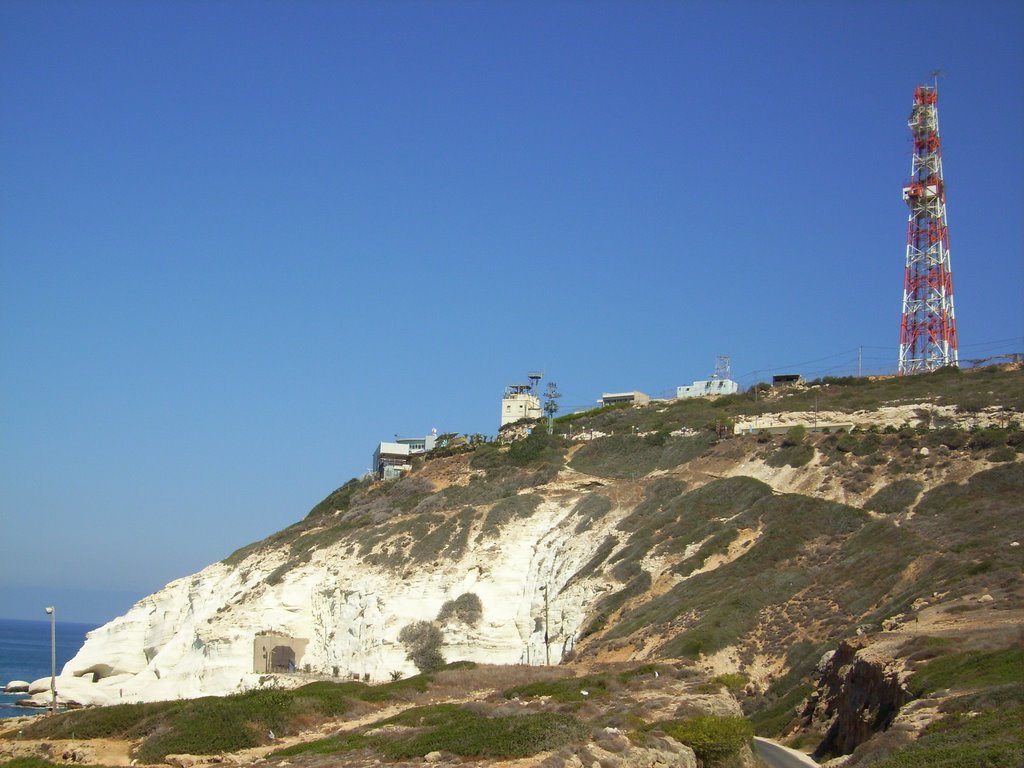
(896, 497)
(991, 739)
(793, 456)
(973, 669)
(565, 690)
(506, 510)
(1002, 454)
(713, 738)
(734, 682)
(466, 608)
(422, 641)
(991, 437)
(794, 436)
(451, 728)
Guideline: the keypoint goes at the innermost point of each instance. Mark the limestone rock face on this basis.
(856, 697)
(200, 635)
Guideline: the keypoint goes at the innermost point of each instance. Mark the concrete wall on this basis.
(520, 406)
(263, 652)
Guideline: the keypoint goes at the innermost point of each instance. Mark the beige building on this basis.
(633, 398)
(520, 402)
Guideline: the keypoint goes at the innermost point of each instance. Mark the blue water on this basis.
(25, 654)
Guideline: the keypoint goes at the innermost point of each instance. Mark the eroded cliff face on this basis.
(197, 635)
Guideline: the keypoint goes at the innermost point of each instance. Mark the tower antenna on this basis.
(928, 337)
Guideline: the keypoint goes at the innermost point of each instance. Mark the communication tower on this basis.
(928, 326)
(723, 367)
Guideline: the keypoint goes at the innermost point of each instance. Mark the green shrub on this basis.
(973, 669)
(344, 742)
(422, 641)
(794, 436)
(991, 437)
(565, 690)
(506, 510)
(713, 738)
(991, 739)
(734, 682)
(896, 497)
(793, 456)
(466, 608)
(450, 728)
(489, 456)
(538, 447)
(1006, 453)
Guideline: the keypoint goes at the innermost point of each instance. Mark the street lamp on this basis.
(52, 612)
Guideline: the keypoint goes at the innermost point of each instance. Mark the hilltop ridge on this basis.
(793, 564)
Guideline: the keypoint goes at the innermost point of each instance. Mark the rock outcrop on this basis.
(858, 694)
(199, 635)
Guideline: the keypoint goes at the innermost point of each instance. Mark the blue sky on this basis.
(241, 242)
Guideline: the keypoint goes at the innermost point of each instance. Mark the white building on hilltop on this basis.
(521, 401)
(720, 382)
(709, 388)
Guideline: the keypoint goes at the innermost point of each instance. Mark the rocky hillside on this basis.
(812, 548)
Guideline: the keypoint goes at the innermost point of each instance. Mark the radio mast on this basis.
(928, 326)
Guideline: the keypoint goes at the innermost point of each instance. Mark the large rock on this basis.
(16, 686)
(857, 696)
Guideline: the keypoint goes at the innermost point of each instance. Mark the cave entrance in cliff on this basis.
(282, 659)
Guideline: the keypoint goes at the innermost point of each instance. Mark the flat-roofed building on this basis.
(709, 388)
(390, 460)
(520, 402)
(633, 398)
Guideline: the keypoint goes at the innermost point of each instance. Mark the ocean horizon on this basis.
(25, 655)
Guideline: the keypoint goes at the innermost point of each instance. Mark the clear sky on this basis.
(240, 242)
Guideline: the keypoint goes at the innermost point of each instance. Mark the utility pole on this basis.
(53, 658)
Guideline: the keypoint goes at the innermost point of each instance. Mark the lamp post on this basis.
(53, 657)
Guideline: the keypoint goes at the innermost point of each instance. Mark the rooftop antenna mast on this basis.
(928, 338)
(534, 377)
(723, 367)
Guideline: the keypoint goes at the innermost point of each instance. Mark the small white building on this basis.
(520, 402)
(710, 388)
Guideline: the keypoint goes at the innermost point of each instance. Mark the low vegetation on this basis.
(991, 739)
(713, 738)
(216, 724)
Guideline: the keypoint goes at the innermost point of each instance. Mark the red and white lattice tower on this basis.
(928, 327)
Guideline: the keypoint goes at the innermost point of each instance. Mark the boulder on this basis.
(16, 686)
(42, 685)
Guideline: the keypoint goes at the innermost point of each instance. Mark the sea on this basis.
(25, 655)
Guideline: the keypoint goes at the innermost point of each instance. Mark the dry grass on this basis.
(491, 677)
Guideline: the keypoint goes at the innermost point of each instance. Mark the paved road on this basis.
(778, 756)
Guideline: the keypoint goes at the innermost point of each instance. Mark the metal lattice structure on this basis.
(928, 327)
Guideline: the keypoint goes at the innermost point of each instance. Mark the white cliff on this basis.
(196, 636)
